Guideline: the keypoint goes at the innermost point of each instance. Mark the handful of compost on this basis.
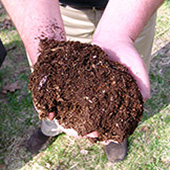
(87, 91)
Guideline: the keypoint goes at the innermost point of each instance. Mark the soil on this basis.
(86, 90)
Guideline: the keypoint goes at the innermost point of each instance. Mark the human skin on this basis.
(116, 32)
(33, 19)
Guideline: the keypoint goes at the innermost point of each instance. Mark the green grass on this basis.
(147, 150)
(162, 33)
(149, 146)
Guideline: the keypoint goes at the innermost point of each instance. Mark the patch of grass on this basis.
(17, 114)
(162, 32)
(75, 155)
(147, 150)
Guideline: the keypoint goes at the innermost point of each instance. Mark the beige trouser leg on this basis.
(80, 26)
(144, 41)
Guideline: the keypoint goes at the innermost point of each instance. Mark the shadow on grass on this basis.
(17, 114)
(160, 83)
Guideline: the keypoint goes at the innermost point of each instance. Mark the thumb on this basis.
(51, 116)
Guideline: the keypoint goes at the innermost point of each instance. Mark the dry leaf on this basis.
(11, 48)
(144, 129)
(47, 165)
(1, 10)
(84, 152)
(6, 24)
(2, 166)
(11, 87)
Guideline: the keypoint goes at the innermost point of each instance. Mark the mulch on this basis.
(87, 91)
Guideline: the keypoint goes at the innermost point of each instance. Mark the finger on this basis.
(108, 141)
(92, 135)
(51, 116)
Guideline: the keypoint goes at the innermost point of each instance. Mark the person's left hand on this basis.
(72, 132)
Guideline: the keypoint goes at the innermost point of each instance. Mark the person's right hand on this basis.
(119, 27)
(126, 54)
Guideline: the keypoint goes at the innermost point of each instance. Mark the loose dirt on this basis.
(86, 90)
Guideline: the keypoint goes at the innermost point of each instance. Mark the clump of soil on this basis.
(86, 90)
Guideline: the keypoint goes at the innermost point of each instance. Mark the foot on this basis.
(36, 141)
(116, 152)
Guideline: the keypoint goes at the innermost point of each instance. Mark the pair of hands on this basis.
(126, 54)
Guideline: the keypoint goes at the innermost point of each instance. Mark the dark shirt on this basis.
(85, 3)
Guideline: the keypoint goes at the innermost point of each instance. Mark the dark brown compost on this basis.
(86, 90)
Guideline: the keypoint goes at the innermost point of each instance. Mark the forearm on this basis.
(34, 20)
(125, 19)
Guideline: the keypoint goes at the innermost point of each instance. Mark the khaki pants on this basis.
(80, 26)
